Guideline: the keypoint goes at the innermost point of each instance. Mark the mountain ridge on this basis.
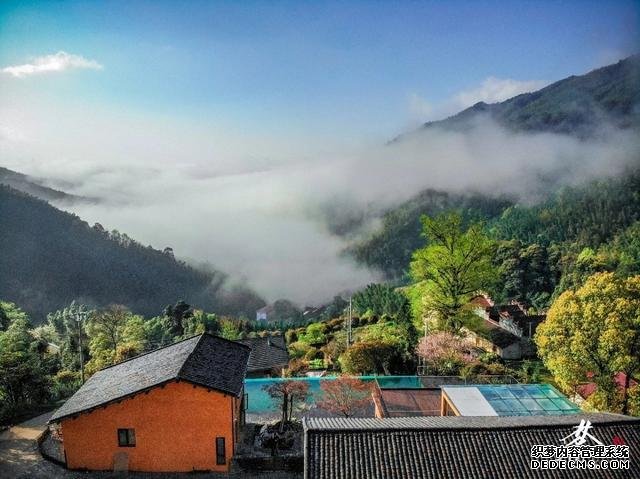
(575, 105)
(607, 96)
(34, 187)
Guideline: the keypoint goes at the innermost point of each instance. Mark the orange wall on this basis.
(175, 427)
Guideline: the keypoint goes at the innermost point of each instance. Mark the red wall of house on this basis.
(175, 427)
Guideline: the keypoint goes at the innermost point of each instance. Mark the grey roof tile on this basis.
(206, 360)
(452, 447)
(266, 353)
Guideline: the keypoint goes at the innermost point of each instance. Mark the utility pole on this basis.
(424, 321)
(349, 324)
(421, 362)
(80, 317)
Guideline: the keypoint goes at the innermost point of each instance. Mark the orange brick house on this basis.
(175, 409)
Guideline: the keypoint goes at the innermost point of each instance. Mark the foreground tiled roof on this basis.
(206, 360)
(453, 447)
(266, 353)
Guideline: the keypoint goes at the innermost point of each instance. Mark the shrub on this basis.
(298, 349)
(313, 353)
(316, 364)
(371, 357)
(297, 367)
(291, 336)
(445, 353)
(336, 324)
(65, 383)
(314, 334)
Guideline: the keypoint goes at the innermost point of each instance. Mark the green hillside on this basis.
(51, 257)
(542, 248)
(564, 222)
(390, 248)
(577, 105)
(33, 186)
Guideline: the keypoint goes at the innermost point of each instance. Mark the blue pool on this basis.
(507, 399)
(259, 401)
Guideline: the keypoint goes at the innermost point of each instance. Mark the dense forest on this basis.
(390, 248)
(542, 249)
(57, 258)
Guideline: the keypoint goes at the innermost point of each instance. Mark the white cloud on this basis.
(419, 107)
(249, 203)
(57, 62)
(493, 90)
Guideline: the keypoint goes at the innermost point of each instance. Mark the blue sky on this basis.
(362, 70)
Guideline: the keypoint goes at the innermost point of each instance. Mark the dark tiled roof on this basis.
(207, 360)
(266, 353)
(501, 337)
(453, 447)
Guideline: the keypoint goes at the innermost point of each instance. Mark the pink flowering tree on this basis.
(445, 353)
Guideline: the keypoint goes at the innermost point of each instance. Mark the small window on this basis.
(126, 437)
(221, 455)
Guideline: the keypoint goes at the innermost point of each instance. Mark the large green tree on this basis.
(593, 333)
(455, 265)
(106, 327)
(22, 377)
(177, 315)
(71, 330)
(115, 334)
(9, 312)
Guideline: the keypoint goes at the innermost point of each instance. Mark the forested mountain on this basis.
(543, 247)
(391, 247)
(34, 187)
(50, 257)
(578, 105)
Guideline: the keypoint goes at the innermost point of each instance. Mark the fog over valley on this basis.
(267, 210)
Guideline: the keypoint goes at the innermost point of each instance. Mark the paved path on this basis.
(20, 459)
(19, 456)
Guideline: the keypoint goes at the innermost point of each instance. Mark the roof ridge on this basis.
(149, 352)
(179, 375)
(361, 424)
(173, 344)
(198, 360)
(234, 341)
(184, 363)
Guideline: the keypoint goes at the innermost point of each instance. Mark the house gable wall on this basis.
(175, 430)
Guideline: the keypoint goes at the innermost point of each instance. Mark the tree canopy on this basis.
(345, 395)
(452, 268)
(593, 333)
(381, 300)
